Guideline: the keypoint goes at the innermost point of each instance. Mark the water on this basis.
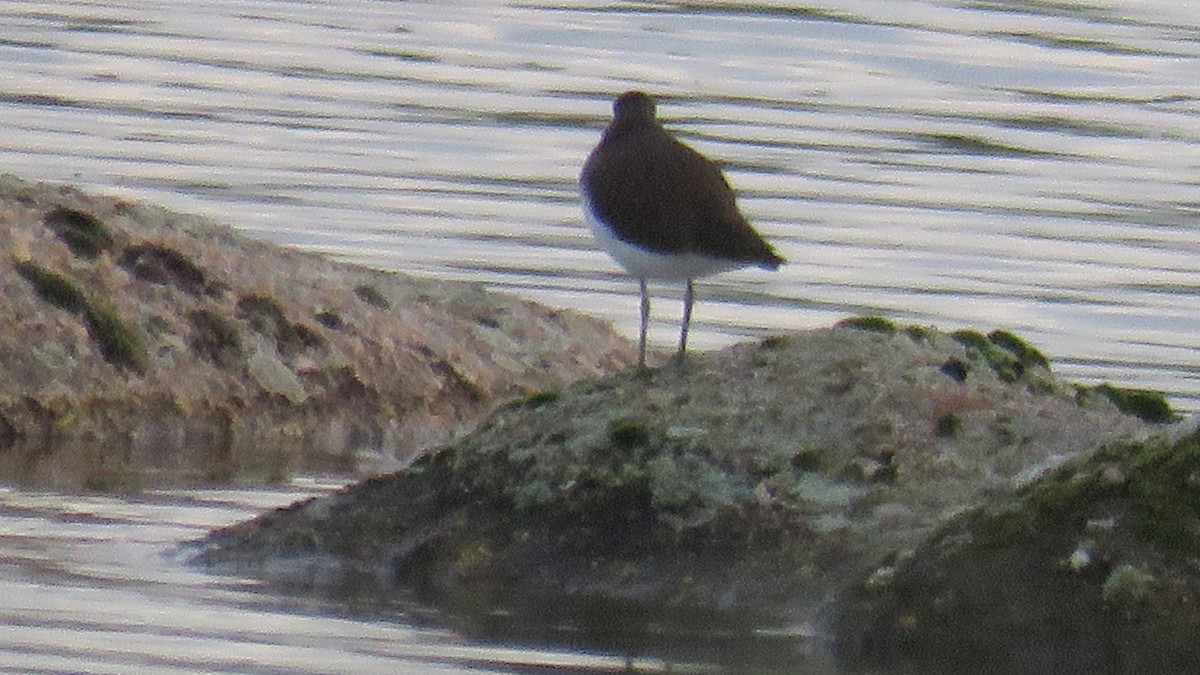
(86, 588)
(1027, 165)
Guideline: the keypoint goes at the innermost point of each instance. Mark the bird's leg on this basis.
(645, 324)
(688, 297)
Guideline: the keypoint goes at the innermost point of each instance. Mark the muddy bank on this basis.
(144, 347)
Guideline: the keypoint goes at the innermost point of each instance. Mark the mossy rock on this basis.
(113, 307)
(739, 486)
(1089, 569)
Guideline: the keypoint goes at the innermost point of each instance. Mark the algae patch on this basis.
(85, 235)
(874, 324)
(166, 266)
(215, 338)
(1158, 482)
(371, 296)
(1149, 406)
(1010, 357)
(117, 342)
(1006, 366)
(628, 434)
(1025, 353)
(947, 426)
(540, 399)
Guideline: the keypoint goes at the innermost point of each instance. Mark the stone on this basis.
(1074, 573)
(722, 495)
(142, 347)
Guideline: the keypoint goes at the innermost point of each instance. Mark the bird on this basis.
(664, 211)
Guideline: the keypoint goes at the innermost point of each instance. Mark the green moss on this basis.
(956, 369)
(540, 399)
(1064, 495)
(628, 434)
(53, 288)
(775, 341)
(215, 338)
(807, 460)
(372, 296)
(1158, 485)
(117, 342)
(1025, 353)
(1010, 357)
(1004, 364)
(1164, 483)
(166, 266)
(86, 236)
(875, 324)
(948, 426)
(917, 333)
(1149, 406)
(972, 339)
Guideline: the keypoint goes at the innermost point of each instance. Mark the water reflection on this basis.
(87, 588)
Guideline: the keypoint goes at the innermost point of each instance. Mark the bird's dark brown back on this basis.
(642, 180)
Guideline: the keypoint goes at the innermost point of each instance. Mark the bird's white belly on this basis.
(645, 264)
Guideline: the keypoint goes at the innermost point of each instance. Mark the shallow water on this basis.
(1019, 164)
(86, 587)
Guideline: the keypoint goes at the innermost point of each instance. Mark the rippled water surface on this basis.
(1030, 165)
(85, 587)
